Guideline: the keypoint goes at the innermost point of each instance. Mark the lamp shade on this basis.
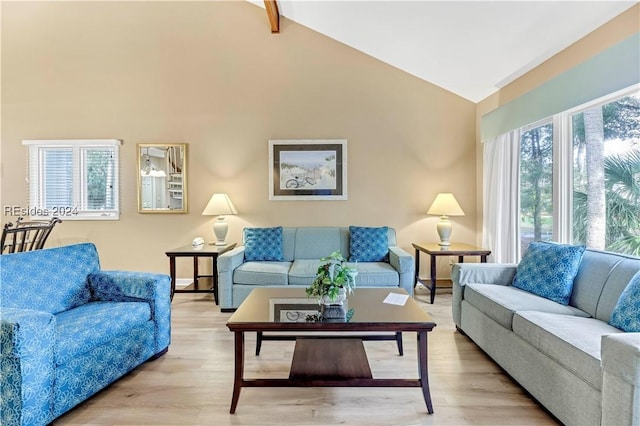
(219, 205)
(445, 204)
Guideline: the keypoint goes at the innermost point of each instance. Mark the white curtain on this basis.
(501, 200)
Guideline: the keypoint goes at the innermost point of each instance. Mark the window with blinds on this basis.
(73, 179)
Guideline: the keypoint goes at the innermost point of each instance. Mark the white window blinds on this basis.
(73, 179)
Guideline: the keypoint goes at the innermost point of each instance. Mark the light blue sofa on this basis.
(68, 329)
(583, 370)
(303, 247)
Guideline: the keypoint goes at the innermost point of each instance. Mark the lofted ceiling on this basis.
(471, 48)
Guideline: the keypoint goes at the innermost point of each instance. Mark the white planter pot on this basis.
(340, 298)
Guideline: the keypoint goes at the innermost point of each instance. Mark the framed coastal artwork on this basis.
(308, 169)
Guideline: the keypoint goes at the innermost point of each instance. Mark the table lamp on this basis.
(445, 205)
(220, 205)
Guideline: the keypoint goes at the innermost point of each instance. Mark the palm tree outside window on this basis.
(600, 176)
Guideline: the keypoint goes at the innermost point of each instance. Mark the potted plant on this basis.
(333, 280)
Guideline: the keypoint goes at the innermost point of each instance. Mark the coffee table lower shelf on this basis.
(329, 359)
(329, 362)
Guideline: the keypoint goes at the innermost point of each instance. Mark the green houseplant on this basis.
(332, 279)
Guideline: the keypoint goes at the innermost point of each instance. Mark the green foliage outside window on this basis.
(606, 178)
(620, 161)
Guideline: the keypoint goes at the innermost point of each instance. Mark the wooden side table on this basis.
(434, 250)
(206, 250)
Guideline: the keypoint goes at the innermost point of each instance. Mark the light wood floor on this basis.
(192, 383)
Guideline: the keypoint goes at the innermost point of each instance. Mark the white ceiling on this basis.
(471, 48)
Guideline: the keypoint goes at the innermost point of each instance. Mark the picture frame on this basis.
(292, 310)
(308, 169)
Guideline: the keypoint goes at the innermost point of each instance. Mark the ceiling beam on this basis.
(274, 16)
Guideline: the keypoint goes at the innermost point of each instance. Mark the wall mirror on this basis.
(162, 178)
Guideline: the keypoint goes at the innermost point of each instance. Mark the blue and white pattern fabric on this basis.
(68, 329)
(26, 359)
(63, 269)
(368, 244)
(126, 286)
(548, 270)
(82, 328)
(626, 313)
(263, 244)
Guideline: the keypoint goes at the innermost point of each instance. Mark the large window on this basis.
(73, 179)
(594, 163)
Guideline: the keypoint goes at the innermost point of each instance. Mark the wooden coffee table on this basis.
(330, 362)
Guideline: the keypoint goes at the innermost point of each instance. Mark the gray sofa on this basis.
(303, 247)
(583, 370)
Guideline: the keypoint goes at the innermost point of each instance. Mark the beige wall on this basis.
(621, 27)
(212, 75)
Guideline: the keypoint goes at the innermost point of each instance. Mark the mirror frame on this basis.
(163, 146)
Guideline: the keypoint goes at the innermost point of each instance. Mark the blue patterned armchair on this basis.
(68, 329)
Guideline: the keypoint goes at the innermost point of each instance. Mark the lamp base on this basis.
(444, 231)
(220, 229)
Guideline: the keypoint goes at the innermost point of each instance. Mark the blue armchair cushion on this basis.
(626, 313)
(368, 244)
(81, 329)
(548, 270)
(51, 280)
(263, 244)
(128, 286)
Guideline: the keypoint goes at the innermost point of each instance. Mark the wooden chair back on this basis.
(26, 236)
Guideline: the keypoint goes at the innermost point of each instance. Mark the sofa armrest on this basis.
(477, 273)
(483, 273)
(621, 378)
(621, 356)
(127, 286)
(403, 262)
(26, 332)
(227, 263)
(27, 340)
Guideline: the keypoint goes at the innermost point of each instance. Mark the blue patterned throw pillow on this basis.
(369, 244)
(548, 270)
(626, 313)
(263, 244)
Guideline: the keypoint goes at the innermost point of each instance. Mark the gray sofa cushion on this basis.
(600, 270)
(262, 273)
(501, 302)
(303, 271)
(316, 243)
(617, 281)
(571, 341)
(370, 274)
(289, 243)
(375, 274)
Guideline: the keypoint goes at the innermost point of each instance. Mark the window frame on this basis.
(562, 167)
(77, 211)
